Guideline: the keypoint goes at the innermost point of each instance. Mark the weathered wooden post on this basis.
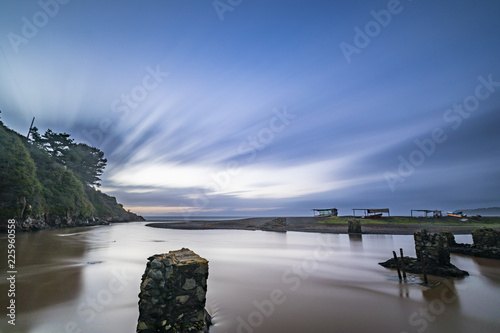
(433, 256)
(402, 263)
(172, 297)
(423, 267)
(397, 264)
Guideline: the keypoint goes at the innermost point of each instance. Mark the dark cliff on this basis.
(41, 187)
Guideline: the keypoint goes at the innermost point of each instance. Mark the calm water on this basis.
(87, 280)
(193, 217)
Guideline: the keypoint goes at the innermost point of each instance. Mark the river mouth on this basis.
(87, 280)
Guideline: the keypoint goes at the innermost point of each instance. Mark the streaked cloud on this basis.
(173, 150)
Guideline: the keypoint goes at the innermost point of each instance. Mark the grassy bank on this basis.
(446, 221)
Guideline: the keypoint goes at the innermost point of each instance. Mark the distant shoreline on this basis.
(338, 225)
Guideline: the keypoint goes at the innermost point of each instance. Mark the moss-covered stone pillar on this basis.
(172, 297)
(354, 227)
(435, 247)
(450, 238)
(486, 237)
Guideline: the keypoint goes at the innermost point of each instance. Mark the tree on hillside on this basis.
(35, 136)
(57, 145)
(20, 190)
(65, 194)
(86, 162)
(52, 180)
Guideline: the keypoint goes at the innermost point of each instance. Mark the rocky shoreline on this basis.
(414, 266)
(433, 252)
(30, 225)
(486, 244)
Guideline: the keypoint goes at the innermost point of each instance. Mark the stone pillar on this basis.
(172, 297)
(435, 247)
(354, 227)
(486, 237)
(450, 238)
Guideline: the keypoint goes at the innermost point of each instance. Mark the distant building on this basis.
(325, 212)
(435, 213)
(372, 212)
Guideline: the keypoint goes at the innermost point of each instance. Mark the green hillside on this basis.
(51, 181)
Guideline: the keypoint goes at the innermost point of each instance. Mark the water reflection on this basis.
(441, 309)
(327, 281)
(356, 242)
(404, 290)
(49, 267)
(489, 269)
(444, 292)
(355, 238)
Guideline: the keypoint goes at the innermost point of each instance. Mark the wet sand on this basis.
(312, 224)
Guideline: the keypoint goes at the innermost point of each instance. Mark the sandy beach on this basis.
(338, 225)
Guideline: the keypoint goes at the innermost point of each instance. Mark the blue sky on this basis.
(266, 107)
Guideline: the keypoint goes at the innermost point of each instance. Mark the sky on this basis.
(266, 107)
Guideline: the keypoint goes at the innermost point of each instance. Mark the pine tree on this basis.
(57, 145)
(87, 163)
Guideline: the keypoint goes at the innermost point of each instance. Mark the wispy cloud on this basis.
(351, 122)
